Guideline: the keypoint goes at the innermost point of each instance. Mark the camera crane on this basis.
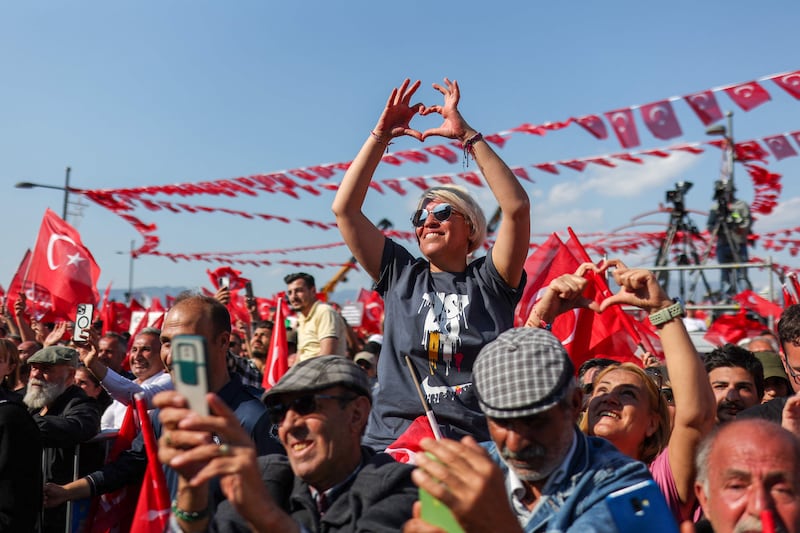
(680, 233)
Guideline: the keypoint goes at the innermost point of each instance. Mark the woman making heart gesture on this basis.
(628, 405)
(440, 309)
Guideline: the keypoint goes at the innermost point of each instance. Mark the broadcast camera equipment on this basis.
(679, 238)
(677, 196)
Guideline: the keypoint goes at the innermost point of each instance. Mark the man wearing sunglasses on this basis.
(326, 482)
(789, 336)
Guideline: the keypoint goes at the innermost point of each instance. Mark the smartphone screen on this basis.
(190, 370)
(641, 507)
(83, 321)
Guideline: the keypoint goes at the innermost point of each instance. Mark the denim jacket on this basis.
(577, 503)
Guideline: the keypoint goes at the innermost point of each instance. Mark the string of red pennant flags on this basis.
(658, 117)
(766, 186)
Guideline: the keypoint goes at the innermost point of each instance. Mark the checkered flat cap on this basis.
(522, 372)
(320, 373)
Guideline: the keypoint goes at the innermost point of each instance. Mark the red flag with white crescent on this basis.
(660, 119)
(63, 266)
(748, 95)
(705, 106)
(780, 147)
(789, 82)
(624, 127)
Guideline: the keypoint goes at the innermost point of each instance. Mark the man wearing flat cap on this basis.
(539, 472)
(326, 482)
(66, 416)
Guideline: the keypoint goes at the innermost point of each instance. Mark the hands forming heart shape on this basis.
(396, 117)
(638, 287)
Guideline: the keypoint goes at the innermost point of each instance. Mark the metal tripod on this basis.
(722, 230)
(681, 233)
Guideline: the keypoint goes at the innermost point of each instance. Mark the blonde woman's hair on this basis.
(651, 446)
(464, 203)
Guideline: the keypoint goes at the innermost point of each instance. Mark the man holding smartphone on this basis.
(555, 477)
(191, 314)
(326, 482)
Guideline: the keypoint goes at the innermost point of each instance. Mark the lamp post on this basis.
(66, 188)
(130, 272)
(727, 134)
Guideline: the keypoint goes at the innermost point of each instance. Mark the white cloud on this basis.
(626, 180)
(783, 216)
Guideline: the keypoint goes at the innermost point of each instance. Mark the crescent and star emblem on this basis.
(73, 259)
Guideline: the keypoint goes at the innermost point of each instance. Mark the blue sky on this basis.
(152, 93)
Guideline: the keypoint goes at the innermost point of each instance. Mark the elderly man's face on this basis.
(749, 473)
(534, 446)
(46, 383)
(322, 435)
(111, 352)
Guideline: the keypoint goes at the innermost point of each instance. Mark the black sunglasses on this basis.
(441, 213)
(302, 405)
(667, 394)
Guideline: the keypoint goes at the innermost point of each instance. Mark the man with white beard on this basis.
(66, 416)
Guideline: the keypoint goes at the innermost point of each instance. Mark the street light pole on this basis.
(130, 275)
(66, 195)
(66, 188)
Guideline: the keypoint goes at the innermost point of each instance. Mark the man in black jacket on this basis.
(20, 466)
(327, 481)
(66, 417)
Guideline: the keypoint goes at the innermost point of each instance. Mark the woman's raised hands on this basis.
(396, 117)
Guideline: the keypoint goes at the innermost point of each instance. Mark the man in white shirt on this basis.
(146, 365)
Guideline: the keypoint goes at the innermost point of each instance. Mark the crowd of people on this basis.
(511, 435)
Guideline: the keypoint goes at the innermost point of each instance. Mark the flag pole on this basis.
(425, 405)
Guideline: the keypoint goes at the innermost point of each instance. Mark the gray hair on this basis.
(150, 331)
(458, 197)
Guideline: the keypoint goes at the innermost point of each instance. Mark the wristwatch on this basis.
(665, 315)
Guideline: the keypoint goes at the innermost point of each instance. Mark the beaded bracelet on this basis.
(468, 144)
(542, 323)
(380, 141)
(188, 516)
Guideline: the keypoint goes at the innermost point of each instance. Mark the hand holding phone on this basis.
(190, 370)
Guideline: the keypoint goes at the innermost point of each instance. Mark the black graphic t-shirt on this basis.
(441, 320)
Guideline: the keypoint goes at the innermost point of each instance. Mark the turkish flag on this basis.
(758, 304)
(153, 507)
(235, 279)
(750, 151)
(780, 147)
(442, 151)
(788, 297)
(660, 119)
(621, 121)
(732, 328)
(278, 360)
(547, 167)
(705, 106)
(789, 82)
(372, 319)
(748, 95)
(594, 125)
(406, 447)
(63, 266)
